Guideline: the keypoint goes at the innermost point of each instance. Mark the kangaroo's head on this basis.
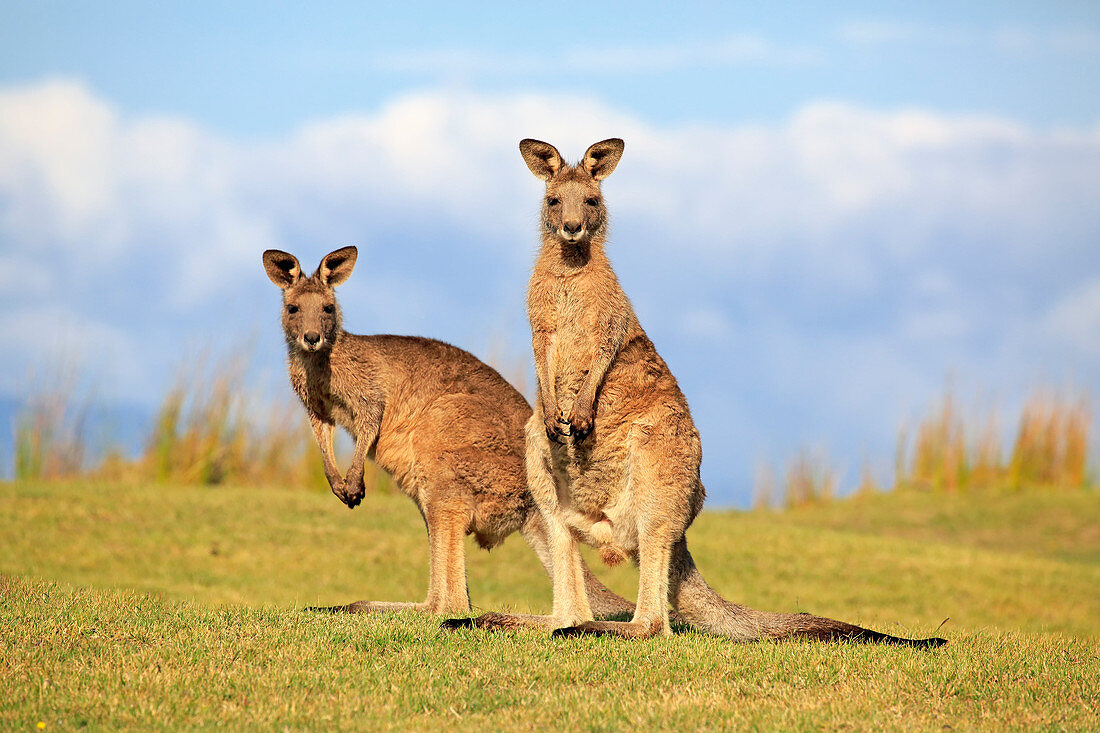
(311, 316)
(573, 211)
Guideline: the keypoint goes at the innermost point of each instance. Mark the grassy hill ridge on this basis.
(137, 606)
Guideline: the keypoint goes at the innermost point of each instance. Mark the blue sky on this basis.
(261, 68)
(823, 213)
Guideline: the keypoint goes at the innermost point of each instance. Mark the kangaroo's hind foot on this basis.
(372, 607)
(499, 622)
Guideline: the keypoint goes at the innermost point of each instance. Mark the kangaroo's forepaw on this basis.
(580, 423)
(554, 430)
(352, 498)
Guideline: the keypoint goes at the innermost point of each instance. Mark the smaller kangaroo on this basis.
(446, 426)
(612, 452)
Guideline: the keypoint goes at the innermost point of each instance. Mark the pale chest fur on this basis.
(572, 315)
(314, 386)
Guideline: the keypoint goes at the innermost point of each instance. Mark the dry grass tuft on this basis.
(1050, 450)
(951, 453)
(210, 429)
(51, 429)
(1051, 447)
(809, 479)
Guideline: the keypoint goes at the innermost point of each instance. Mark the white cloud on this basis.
(734, 50)
(79, 176)
(1069, 41)
(837, 186)
(56, 156)
(880, 32)
(864, 252)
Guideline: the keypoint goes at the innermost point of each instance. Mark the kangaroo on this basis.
(612, 453)
(446, 426)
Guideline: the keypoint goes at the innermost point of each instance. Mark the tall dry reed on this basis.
(210, 429)
(953, 454)
(953, 451)
(809, 478)
(50, 431)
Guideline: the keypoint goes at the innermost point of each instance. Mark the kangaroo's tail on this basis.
(704, 609)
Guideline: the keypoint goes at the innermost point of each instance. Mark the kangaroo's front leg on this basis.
(542, 342)
(366, 433)
(582, 416)
(323, 431)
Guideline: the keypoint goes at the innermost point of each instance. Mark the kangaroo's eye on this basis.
(330, 309)
(592, 202)
(552, 201)
(292, 309)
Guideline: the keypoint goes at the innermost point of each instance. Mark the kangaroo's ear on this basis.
(600, 159)
(282, 268)
(543, 159)
(336, 266)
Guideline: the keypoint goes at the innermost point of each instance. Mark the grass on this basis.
(148, 606)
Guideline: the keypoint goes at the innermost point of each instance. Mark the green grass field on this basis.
(165, 607)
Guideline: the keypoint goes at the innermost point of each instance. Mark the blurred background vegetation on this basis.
(213, 428)
(951, 450)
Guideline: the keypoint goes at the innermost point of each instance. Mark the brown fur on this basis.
(446, 426)
(612, 452)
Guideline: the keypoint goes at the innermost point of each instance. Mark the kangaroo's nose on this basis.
(571, 228)
(311, 337)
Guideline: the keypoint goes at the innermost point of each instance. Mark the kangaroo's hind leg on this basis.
(602, 600)
(659, 486)
(446, 521)
(570, 595)
(651, 616)
(567, 567)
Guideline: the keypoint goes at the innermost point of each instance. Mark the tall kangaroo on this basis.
(612, 453)
(447, 427)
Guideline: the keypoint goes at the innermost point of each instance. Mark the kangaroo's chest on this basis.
(316, 391)
(573, 333)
